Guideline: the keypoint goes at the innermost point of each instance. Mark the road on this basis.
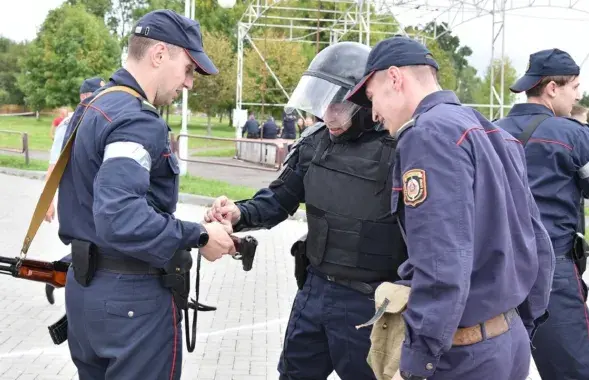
(241, 340)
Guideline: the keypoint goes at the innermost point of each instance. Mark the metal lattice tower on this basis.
(352, 19)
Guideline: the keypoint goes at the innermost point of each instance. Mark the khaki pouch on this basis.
(388, 330)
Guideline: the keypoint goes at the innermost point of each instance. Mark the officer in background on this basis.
(116, 203)
(340, 169)
(269, 129)
(86, 89)
(251, 128)
(289, 120)
(557, 154)
(479, 256)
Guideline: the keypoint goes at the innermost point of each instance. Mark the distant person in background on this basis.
(88, 87)
(301, 125)
(288, 125)
(251, 128)
(579, 113)
(269, 129)
(61, 114)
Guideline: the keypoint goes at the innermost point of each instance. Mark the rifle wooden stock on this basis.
(52, 273)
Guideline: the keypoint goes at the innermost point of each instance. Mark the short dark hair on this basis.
(560, 80)
(138, 46)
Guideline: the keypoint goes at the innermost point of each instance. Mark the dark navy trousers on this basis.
(321, 336)
(562, 342)
(123, 327)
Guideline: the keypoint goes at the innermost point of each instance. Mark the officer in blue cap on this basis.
(116, 203)
(557, 155)
(480, 262)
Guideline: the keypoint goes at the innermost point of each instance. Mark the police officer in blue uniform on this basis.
(340, 169)
(116, 203)
(557, 155)
(479, 257)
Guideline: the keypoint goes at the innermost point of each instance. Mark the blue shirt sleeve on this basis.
(123, 218)
(532, 310)
(437, 178)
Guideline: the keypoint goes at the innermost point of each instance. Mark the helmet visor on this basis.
(323, 99)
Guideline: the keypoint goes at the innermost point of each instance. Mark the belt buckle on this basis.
(330, 278)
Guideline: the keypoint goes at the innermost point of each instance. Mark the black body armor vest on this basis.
(351, 231)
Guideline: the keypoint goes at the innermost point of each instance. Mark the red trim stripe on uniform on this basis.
(175, 348)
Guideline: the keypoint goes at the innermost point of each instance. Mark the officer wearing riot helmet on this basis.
(557, 156)
(117, 200)
(340, 169)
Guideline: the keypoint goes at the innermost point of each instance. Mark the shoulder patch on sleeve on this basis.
(414, 187)
(147, 106)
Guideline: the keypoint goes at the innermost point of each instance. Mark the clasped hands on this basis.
(218, 221)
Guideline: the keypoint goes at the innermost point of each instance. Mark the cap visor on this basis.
(203, 63)
(358, 93)
(525, 83)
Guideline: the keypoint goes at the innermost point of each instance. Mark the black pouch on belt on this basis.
(84, 259)
(299, 252)
(177, 277)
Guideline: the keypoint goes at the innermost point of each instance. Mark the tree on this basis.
(584, 100)
(10, 54)
(286, 61)
(99, 8)
(71, 45)
(212, 93)
(483, 95)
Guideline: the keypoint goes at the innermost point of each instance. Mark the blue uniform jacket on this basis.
(120, 188)
(557, 157)
(476, 245)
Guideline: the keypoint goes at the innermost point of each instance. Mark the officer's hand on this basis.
(220, 243)
(223, 209)
(50, 213)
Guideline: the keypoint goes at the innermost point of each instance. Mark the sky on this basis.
(526, 30)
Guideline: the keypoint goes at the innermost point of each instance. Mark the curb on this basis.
(193, 199)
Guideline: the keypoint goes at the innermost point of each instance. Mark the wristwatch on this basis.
(408, 376)
(203, 239)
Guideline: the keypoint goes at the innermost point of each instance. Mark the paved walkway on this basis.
(241, 340)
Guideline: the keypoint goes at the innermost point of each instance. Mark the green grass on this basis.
(228, 152)
(37, 130)
(39, 139)
(18, 162)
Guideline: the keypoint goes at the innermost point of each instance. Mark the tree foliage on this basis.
(10, 53)
(483, 95)
(71, 45)
(213, 93)
(286, 61)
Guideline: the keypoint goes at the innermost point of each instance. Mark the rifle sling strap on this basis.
(52, 182)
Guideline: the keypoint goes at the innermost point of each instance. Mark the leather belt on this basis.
(125, 266)
(489, 329)
(359, 286)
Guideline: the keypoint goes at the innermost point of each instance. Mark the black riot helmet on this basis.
(331, 75)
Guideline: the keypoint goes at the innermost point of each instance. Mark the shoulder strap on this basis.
(52, 182)
(531, 128)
